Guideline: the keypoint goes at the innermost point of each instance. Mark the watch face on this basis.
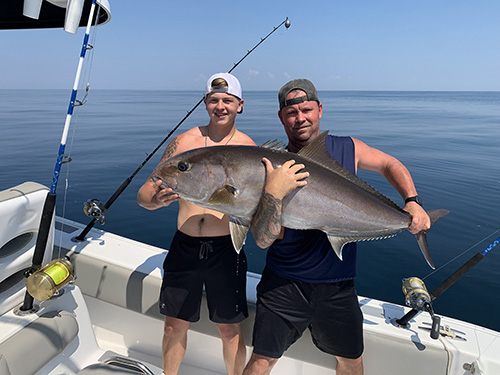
(414, 199)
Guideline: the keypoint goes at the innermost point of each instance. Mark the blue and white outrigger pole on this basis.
(49, 205)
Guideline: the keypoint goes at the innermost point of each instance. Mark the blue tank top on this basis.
(306, 255)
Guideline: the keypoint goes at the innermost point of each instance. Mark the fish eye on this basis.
(183, 166)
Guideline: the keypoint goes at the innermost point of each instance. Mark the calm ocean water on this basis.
(448, 141)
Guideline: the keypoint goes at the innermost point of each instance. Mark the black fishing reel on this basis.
(95, 209)
(418, 298)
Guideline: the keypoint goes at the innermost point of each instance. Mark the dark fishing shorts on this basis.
(285, 308)
(194, 262)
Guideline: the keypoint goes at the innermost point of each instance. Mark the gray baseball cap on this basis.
(297, 84)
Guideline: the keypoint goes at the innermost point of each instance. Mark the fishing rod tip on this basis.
(287, 23)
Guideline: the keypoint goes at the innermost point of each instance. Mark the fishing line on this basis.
(84, 84)
(89, 61)
(97, 210)
(485, 251)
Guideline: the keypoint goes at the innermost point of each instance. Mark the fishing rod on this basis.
(419, 299)
(96, 209)
(49, 205)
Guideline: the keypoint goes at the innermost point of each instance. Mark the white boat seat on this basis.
(33, 346)
(21, 208)
(29, 349)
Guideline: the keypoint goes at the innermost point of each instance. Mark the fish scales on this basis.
(230, 179)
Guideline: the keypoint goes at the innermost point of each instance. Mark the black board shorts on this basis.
(285, 308)
(212, 262)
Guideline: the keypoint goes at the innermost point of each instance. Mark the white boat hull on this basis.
(114, 301)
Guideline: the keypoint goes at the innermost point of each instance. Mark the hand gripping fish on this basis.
(230, 179)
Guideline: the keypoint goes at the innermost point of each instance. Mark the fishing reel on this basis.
(49, 280)
(416, 295)
(418, 298)
(95, 209)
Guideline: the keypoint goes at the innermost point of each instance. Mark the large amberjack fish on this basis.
(230, 179)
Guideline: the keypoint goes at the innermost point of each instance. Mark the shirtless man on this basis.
(201, 252)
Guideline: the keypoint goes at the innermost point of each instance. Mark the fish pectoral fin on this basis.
(337, 244)
(238, 229)
(224, 195)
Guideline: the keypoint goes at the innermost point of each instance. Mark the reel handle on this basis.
(436, 326)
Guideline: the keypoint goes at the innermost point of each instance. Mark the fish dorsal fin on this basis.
(224, 195)
(274, 145)
(316, 151)
(238, 229)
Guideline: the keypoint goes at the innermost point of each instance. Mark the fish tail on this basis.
(435, 215)
(421, 236)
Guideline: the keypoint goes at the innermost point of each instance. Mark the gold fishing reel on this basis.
(49, 280)
(416, 294)
(418, 298)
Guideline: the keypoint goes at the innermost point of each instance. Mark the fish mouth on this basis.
(171, 183)
(166, 183)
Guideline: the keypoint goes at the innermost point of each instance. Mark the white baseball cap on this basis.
(233, 85)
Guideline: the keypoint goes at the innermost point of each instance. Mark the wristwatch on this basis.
(415, 199)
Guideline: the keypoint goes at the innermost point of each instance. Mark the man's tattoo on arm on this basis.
(266, 223)
(170, 150)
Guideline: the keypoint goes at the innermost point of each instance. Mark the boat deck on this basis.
(113, 308)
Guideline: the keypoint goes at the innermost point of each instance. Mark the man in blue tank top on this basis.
(304, 284)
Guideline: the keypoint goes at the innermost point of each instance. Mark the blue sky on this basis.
(339, 45)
